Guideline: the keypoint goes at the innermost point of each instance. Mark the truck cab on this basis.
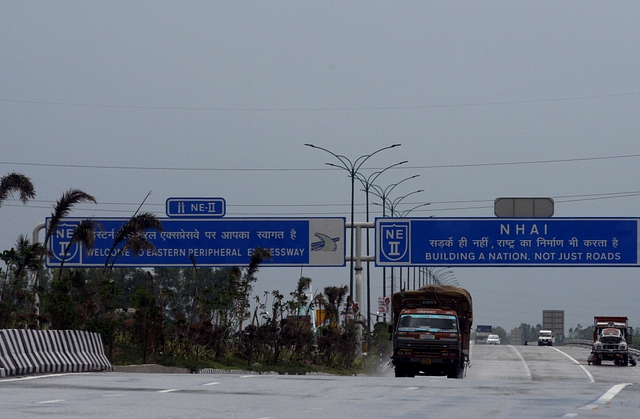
(431, 331)
(611, 339)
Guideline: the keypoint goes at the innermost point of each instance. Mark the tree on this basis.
(131, 236)
(83, 235)
(16, 182)
(16, 292)
(63, 207)
(500, 332)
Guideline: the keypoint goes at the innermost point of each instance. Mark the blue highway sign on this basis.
(212, 242)
(507, 242)
(196, 207)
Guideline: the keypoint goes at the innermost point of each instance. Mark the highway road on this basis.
(503, 382)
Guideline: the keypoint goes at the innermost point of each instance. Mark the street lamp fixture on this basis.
(352, 167)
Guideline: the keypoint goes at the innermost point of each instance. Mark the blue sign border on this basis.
(512, 242)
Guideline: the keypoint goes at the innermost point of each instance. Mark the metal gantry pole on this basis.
(367, 183)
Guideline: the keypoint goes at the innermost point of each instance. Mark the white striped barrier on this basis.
(51, 351)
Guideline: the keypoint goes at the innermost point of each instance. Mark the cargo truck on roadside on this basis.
(431, 331)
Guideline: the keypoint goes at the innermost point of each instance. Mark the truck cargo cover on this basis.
(440, 292)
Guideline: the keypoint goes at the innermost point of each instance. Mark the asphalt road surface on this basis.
(503, 382)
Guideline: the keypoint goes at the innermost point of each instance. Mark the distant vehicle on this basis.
(483, 332)
(493, 340)
(546, 337)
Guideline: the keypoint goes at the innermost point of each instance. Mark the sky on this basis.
(488, 99)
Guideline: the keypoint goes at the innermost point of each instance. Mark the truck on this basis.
(431, 330)
(483, 332)
(546, 337)
(612, 337)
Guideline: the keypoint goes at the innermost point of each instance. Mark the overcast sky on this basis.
(217, 98)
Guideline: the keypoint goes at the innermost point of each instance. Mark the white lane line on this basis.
(171, 390)
(606, 397)
(412, 388)
(581, 366)
(50, 401)
(526, 367)
(36, 377)
(213, 383)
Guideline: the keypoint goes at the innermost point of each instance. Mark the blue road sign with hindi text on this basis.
(208, 242)
(507, 242)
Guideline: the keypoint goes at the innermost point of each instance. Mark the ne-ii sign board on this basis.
(209, 242)
(507, 242)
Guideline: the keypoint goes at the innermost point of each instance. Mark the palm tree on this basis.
(63, 207)
(16, 182)
(335, 298)
(131, 236)
(83, 234)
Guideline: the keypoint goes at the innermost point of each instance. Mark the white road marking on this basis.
(213, 383)
(526, 367)
(35, 377)
(50, 401)
(606, 397)
(581, 366)
(171, 390)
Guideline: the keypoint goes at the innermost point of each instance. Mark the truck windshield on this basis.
(428, 322)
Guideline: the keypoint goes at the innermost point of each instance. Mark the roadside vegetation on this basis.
(189, 317)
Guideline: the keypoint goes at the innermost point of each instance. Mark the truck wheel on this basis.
(400, 372)
(625, 360)
(455, 372)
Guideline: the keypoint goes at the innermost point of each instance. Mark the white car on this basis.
(493, 340)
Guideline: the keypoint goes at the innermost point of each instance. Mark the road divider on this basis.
(51, 351)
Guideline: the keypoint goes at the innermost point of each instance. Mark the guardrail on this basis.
(50, 351)
(588, 343)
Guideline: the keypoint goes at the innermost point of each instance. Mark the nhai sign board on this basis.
(513, 242)
(207, 242)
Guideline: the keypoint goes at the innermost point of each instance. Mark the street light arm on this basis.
(367, 182)
(360, 160)
(401, 198)
(405, 213)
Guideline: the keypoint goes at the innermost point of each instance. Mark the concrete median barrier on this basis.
(51, 351)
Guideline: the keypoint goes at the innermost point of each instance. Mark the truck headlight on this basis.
(598, 345)
(623, 346)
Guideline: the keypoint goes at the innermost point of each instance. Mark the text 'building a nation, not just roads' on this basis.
(507, 242)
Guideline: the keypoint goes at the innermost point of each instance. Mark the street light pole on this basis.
(352, 167)
(367, 183)
(383, 194)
